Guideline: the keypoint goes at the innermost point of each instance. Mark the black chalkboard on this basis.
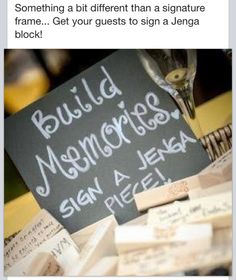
(90, 144)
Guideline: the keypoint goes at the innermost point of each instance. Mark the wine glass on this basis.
(174, 71)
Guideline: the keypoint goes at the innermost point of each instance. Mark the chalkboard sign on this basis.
(88, 146)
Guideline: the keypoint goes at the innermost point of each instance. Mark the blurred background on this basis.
(31, 74)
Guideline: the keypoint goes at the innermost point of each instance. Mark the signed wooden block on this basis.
(166, 193)
(218, 172)
(215, 209)
(100, 244)
(130, 238)
(156, 261)
(61, 246)
(107, 266)
(42, 227)
(44, 264)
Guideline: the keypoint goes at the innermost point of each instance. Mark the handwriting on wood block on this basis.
(215, 209)
(203, 192)
(130, 238)
(107, 266)
(41, 228)
(100, 244)
(44, 264)
(167, 193)
(61, 246)
(156, 261)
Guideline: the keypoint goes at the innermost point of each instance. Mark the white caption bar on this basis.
(137, 24)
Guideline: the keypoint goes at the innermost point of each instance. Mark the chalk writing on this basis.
(93, 149)
(153, 155)
(98, 139)
(49, 124)
(126, 195)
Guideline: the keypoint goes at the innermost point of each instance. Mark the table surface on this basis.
(212, 115)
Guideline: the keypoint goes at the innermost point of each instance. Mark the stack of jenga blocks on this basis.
(185, 226)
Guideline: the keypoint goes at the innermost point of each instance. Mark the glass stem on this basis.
(186, 103)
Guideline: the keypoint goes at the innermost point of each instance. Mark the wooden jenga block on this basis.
(215, 209)
(156, 261)
(166, 193)
(61, 246)
(44, 264)
(216, 173)
(100, 244)
(41, 228)
(200, 192)
(220, 164)
(174, 258)
(107, 266)
(130, 238)
(82, 236)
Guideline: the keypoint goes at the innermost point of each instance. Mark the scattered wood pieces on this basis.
(194, 234)
(156, 261)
